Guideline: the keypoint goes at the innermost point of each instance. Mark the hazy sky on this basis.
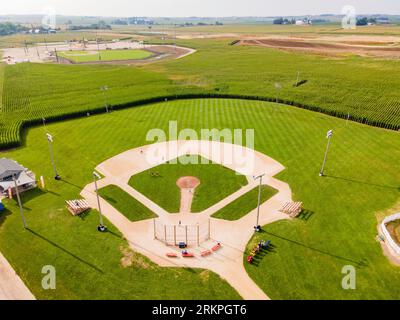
(196, 7)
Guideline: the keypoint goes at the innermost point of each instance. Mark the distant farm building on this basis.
(303, 22)
(8, 169)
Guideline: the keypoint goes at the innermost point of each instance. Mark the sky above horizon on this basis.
(199, 8)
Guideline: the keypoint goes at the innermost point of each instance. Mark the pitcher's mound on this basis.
(188, 182)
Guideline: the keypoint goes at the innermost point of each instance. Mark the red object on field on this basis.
(206, 253)
(187, 255)
(172, 255)
(217, 247)
(250, 259)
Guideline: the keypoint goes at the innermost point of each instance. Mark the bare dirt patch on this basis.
(45, 53)
(132, 259)
(335, 48)
(188, 186)
(188, 182)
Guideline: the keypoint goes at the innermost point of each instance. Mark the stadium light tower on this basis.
(50, 141)
(329, 136)
(101, 227)
(21, 210)
(104, 89)
(260, 177)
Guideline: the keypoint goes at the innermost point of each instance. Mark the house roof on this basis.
(9, 165)
(22, 179)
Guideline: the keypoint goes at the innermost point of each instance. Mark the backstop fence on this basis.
(191, 235)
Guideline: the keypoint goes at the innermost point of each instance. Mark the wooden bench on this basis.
(293, 209)
(217, 247)
(206, 253)
(77, 207)
(187, 255)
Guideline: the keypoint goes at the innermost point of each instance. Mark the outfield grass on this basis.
(245, 204)
(159, 184)
(309, 253)
(105, 55)
(216, 68)
(126, 204)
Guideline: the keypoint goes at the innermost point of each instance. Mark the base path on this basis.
(228, 261)
(11, 285)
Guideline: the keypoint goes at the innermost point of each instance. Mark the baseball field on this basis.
(290, 99)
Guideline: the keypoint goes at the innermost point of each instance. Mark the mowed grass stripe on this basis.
(244, 204)
(126, 204)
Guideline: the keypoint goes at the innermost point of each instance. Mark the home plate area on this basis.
(195, 240)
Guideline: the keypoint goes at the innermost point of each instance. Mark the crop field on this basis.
(362, 179)
(331, 85)
(105, 55)
(263, 29)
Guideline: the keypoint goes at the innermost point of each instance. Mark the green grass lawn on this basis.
(125, 204)
(216, 183)
(363, 179)
(245, 204)
(105, 55)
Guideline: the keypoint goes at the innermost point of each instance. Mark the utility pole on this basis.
(260, 177)
(19, 201)
(98, 46)
(101, 227)
(278, 86)
(298, 78)
(329, 136)
(50, 140)
(55, 51)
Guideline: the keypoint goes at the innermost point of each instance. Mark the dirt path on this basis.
(333, 47)
(11, 285)
(188, 187)
(233, 235)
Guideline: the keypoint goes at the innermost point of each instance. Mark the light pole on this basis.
(298, 78)
(19, 201)
(329, 136)
(50, 140)
(101, 227)
(104, 89)
(278, 86)
(260, 177)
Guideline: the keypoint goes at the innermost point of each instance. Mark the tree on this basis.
(278, 21)
(362, 21)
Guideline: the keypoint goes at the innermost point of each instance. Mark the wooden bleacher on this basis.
(77, 207)
(293, 209)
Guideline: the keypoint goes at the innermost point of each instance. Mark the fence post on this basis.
(186, 233)
(175, 235)
(154, 229)
(198, 235)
